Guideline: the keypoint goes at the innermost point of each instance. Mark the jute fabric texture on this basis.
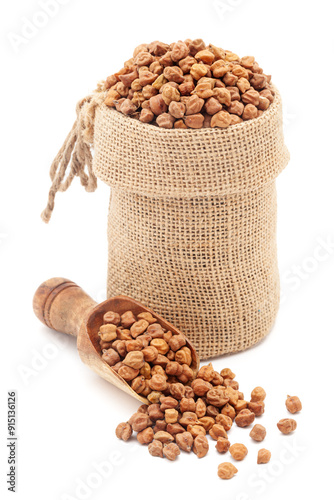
(192, 223)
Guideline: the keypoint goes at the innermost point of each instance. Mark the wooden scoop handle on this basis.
(62, 305)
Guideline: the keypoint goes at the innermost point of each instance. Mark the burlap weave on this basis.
(192, 223)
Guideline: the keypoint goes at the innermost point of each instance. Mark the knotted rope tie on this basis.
(75, 153)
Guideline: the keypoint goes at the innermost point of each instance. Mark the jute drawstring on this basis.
(76, 152)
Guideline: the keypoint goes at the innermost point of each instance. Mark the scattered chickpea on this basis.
(258, 433)
(287, 425)
(196, 430)
(124, 431)
(107, 333)
(263, 456)
(185, 441)
(163, 436)
(222, 445)
(155, 448)
(226, 470)
(158, 383)
(111, 357)
(257, 407)
(200, 446)
(222, 119)
(112, 317)
(171, 451)
(258, 394)
(293, 404)
(167, 403)
(238, 451)
(145, 436)
(127, 319)
(244, 418)
(194, 121)
(207, 422)
(224, 420)
(217, 431)
(171, 416)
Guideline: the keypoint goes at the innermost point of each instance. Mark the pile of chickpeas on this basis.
(189, 85)
(186, 406)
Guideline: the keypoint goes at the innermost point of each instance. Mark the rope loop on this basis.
(75, 154)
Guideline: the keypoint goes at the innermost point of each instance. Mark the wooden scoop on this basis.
(64, 306)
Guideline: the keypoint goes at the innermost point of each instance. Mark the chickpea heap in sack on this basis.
(189, 85)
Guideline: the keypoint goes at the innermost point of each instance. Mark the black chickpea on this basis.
(189, 84)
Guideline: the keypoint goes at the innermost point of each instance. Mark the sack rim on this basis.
(272, 109)
(157, 162)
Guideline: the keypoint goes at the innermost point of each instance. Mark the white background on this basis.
(66, 414)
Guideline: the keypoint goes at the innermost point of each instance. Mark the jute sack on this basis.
(192, 219)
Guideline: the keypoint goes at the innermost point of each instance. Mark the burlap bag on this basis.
(192, 219)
